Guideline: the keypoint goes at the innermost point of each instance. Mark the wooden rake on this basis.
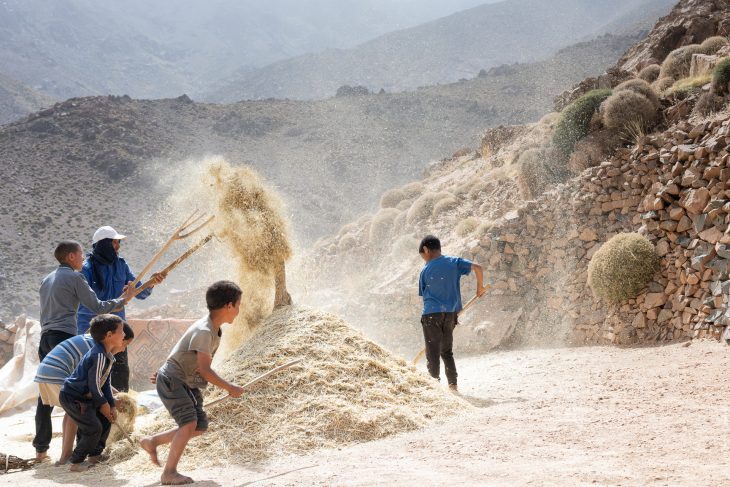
(468, 305)
(259, 379)
(186, 230)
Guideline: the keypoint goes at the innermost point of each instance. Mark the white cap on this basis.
(106, 232)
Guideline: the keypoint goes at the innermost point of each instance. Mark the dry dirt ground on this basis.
(575, 416)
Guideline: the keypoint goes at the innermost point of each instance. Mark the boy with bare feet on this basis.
(86, 395)
(187, 371)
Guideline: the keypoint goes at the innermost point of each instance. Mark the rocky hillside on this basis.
(18, 100)
(330, 159)
(445, 50)
(668, 185)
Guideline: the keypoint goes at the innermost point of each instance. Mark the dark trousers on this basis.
(43, 425)
(120, 372)
(438, 332)
(93, 427)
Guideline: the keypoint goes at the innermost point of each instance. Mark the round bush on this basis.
(466, 226)
(713, 44)
(650, 73)
(391, 198)
(411, 190)
(708, 103)
(677, 63)
(721, 77)
(423, 206)
(381, 227)
(538, 169)
(622, 267)
(628, 107)
(663, 84)
(641, 87)
(575, 120)
(444, 205)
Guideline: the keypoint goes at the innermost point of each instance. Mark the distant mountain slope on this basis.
(100, 159)
(442, 51)
(168, 47)
(18, 100)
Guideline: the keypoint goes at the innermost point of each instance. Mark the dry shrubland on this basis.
(627, 106)
(641, 87)
(650, 73)
(677, 63)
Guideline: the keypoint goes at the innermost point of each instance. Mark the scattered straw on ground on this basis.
(347, 390)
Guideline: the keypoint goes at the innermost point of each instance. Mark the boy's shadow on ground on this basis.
(95, 476)
(480, 402)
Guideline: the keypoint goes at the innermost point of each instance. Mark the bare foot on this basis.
(63, 460)
(174, 479)
(41, 456)
(146, 444)
(98, 459)
(80, 467)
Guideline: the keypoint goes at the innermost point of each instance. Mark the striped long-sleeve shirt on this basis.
(91, 380)
(61, 362)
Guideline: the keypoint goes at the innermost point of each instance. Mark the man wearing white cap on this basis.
(107, 274)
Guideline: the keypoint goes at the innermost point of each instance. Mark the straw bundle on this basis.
(347, 390)
(126, 413)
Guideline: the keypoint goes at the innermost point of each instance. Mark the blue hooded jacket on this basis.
(114, 276)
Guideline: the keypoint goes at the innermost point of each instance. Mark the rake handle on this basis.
(258, 379)
(175, 263)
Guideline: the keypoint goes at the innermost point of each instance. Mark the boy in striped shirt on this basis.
(59, 364)
(86, 395)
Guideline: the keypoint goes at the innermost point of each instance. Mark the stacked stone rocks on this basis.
(675, 189)
(7, 339)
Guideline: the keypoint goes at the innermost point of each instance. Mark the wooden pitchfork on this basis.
(259, 379)
(183, 231)
(466, 307)
(176, 262)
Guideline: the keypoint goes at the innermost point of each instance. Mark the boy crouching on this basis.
(187, 371)
(86, 395)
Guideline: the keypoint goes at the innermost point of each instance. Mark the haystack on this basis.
(347, 390)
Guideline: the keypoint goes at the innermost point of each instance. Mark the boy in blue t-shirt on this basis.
(439, 285)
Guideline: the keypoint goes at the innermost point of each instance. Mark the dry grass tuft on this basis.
(381, 228)
(628, 106)
(641, 87)
(348, 390)
(466, 226)
(539, 169)
(422, 208)
(445, 205)
(622, 267)
(713, 44)
(662, 84)
(650, 73)
(391, 198)
(677, 63)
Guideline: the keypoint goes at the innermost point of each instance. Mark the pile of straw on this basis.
(347, 390)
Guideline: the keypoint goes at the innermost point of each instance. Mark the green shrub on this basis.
(575, 120)
(677, 63)
(628, 107)
(381, 227)
(721, 77)
(622, 267)
(391, 198)
(641, 87)
(538, 169)
(650, 73)
(466, 226)
(444, 205)
(713, 44)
